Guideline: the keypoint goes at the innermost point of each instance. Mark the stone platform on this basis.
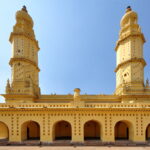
(67, 143)
(71, 148)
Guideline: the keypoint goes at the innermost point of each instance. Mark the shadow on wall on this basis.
(4, 132)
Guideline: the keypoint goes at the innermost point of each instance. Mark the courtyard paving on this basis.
(70, 148)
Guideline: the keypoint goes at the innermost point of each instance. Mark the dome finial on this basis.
(24, 8)
(128, 8)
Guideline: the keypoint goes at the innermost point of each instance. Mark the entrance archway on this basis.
(4, 132)
(148, 133)
(91, 130)
(62, 130)
(121, 131)
(30, 130)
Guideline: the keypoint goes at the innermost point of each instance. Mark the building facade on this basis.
(29, 115)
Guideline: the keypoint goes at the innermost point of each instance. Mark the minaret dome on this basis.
(22, 15)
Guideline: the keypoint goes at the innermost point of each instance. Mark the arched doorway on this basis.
(30, 130)
(62, 130)
(4, 133)
(91, 130)
(121, 131)
(148, 133)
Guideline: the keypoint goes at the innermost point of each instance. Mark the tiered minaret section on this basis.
(24, 61)
(130, 61)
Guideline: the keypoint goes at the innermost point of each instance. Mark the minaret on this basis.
(24, 60)
(129, 50)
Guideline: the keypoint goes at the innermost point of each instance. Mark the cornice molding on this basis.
(76, 109)
(25, 60)
(130, 61)
(127, 36)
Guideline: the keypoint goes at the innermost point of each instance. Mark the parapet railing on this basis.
(69, 105)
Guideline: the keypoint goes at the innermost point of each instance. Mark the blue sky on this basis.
(77, 40)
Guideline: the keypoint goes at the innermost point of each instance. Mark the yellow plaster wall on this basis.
(4, 132)
(47, 120)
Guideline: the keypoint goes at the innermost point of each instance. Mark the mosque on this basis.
(27, 115)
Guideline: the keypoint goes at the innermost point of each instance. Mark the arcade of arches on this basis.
(63, 130)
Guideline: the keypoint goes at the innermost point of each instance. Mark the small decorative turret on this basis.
(8, 88)
(77, 93)
(147, 82)
(77, 99)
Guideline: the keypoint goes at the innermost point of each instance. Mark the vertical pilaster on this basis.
(77, 131)
(14, 135)
(107, 133)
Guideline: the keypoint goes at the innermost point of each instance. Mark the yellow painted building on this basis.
(29, 115)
